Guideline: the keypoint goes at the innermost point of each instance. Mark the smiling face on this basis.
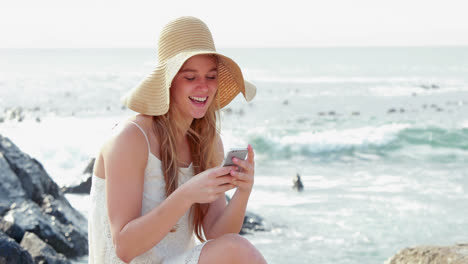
(194, 87)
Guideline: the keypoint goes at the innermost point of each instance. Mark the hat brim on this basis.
(152, 95)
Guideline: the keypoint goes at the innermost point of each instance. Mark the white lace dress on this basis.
(175, 248)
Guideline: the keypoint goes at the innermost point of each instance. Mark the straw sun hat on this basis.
(179, 40)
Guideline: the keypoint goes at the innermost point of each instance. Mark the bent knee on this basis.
(236, 242)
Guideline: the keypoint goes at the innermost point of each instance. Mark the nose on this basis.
(202, 85)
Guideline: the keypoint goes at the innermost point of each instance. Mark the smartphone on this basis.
(240, 153)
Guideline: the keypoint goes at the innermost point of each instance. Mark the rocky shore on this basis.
(37, 223)
(456, 254)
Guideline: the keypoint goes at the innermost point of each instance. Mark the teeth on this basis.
(199, 99)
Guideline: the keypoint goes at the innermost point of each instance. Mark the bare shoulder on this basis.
(127, 144)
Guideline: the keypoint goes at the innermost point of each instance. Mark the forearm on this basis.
(144, 232)
(232, 218)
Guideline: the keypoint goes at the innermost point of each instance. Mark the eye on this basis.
(211, 77)
(190, 78)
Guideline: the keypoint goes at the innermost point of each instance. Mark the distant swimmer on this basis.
(298, 183)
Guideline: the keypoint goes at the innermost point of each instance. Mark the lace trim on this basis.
(194, 254)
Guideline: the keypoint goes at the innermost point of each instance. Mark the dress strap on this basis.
(147, 141)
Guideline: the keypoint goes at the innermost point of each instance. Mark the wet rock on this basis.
(355, 113)
(286, 102)
(402, 110)
(89, 168)
(85, 186)
(37, 205)
(82, 188)
(297, 183)
(332, 113)
(391, 110)
(252, 223)
(12, 252)
(40, 251)
(63, 237)
(34, 179)
(12, 230)
(456, 254)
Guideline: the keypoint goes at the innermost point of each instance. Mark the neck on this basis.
(183, 125)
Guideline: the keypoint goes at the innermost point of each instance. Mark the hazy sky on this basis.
(235, 23)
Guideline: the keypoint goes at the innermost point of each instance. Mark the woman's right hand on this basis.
(207, 186)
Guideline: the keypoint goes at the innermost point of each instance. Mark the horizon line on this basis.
(264, 47)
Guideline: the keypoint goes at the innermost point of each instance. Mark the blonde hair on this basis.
(202, 136)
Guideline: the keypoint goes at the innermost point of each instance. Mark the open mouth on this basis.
(198, 100)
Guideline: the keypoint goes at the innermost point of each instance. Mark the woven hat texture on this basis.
(180, 40)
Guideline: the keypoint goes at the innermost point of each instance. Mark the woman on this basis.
(157, 182)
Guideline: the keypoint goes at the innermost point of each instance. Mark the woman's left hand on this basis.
(245, 176)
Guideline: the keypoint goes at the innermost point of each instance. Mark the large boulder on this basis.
(30, 201)
(11, 252)
(40, 251)
(456, 254)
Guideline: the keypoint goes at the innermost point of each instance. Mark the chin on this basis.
(198, 116)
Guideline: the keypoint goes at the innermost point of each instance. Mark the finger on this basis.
(242, 164)
(240, 176)
(250, 157)
(223, 171)
(225, 188)
(224, 179)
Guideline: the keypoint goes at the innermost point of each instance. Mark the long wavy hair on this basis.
(201, 137)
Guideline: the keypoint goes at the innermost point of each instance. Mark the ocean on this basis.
(379, 136)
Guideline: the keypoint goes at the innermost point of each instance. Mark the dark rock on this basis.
(391, 110)
(297, 183)
(89, 168)
(321, 113)
(10, 185)
(12, 230)
(252, 222)
(3, 208)
(355, 113)
(12, 252)
(456, 254)
(402, 110)
(40, 251)
(64, 238)
(85, 186)
(286, 102)
(331, 113)
(37, 205)
(34, 179)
